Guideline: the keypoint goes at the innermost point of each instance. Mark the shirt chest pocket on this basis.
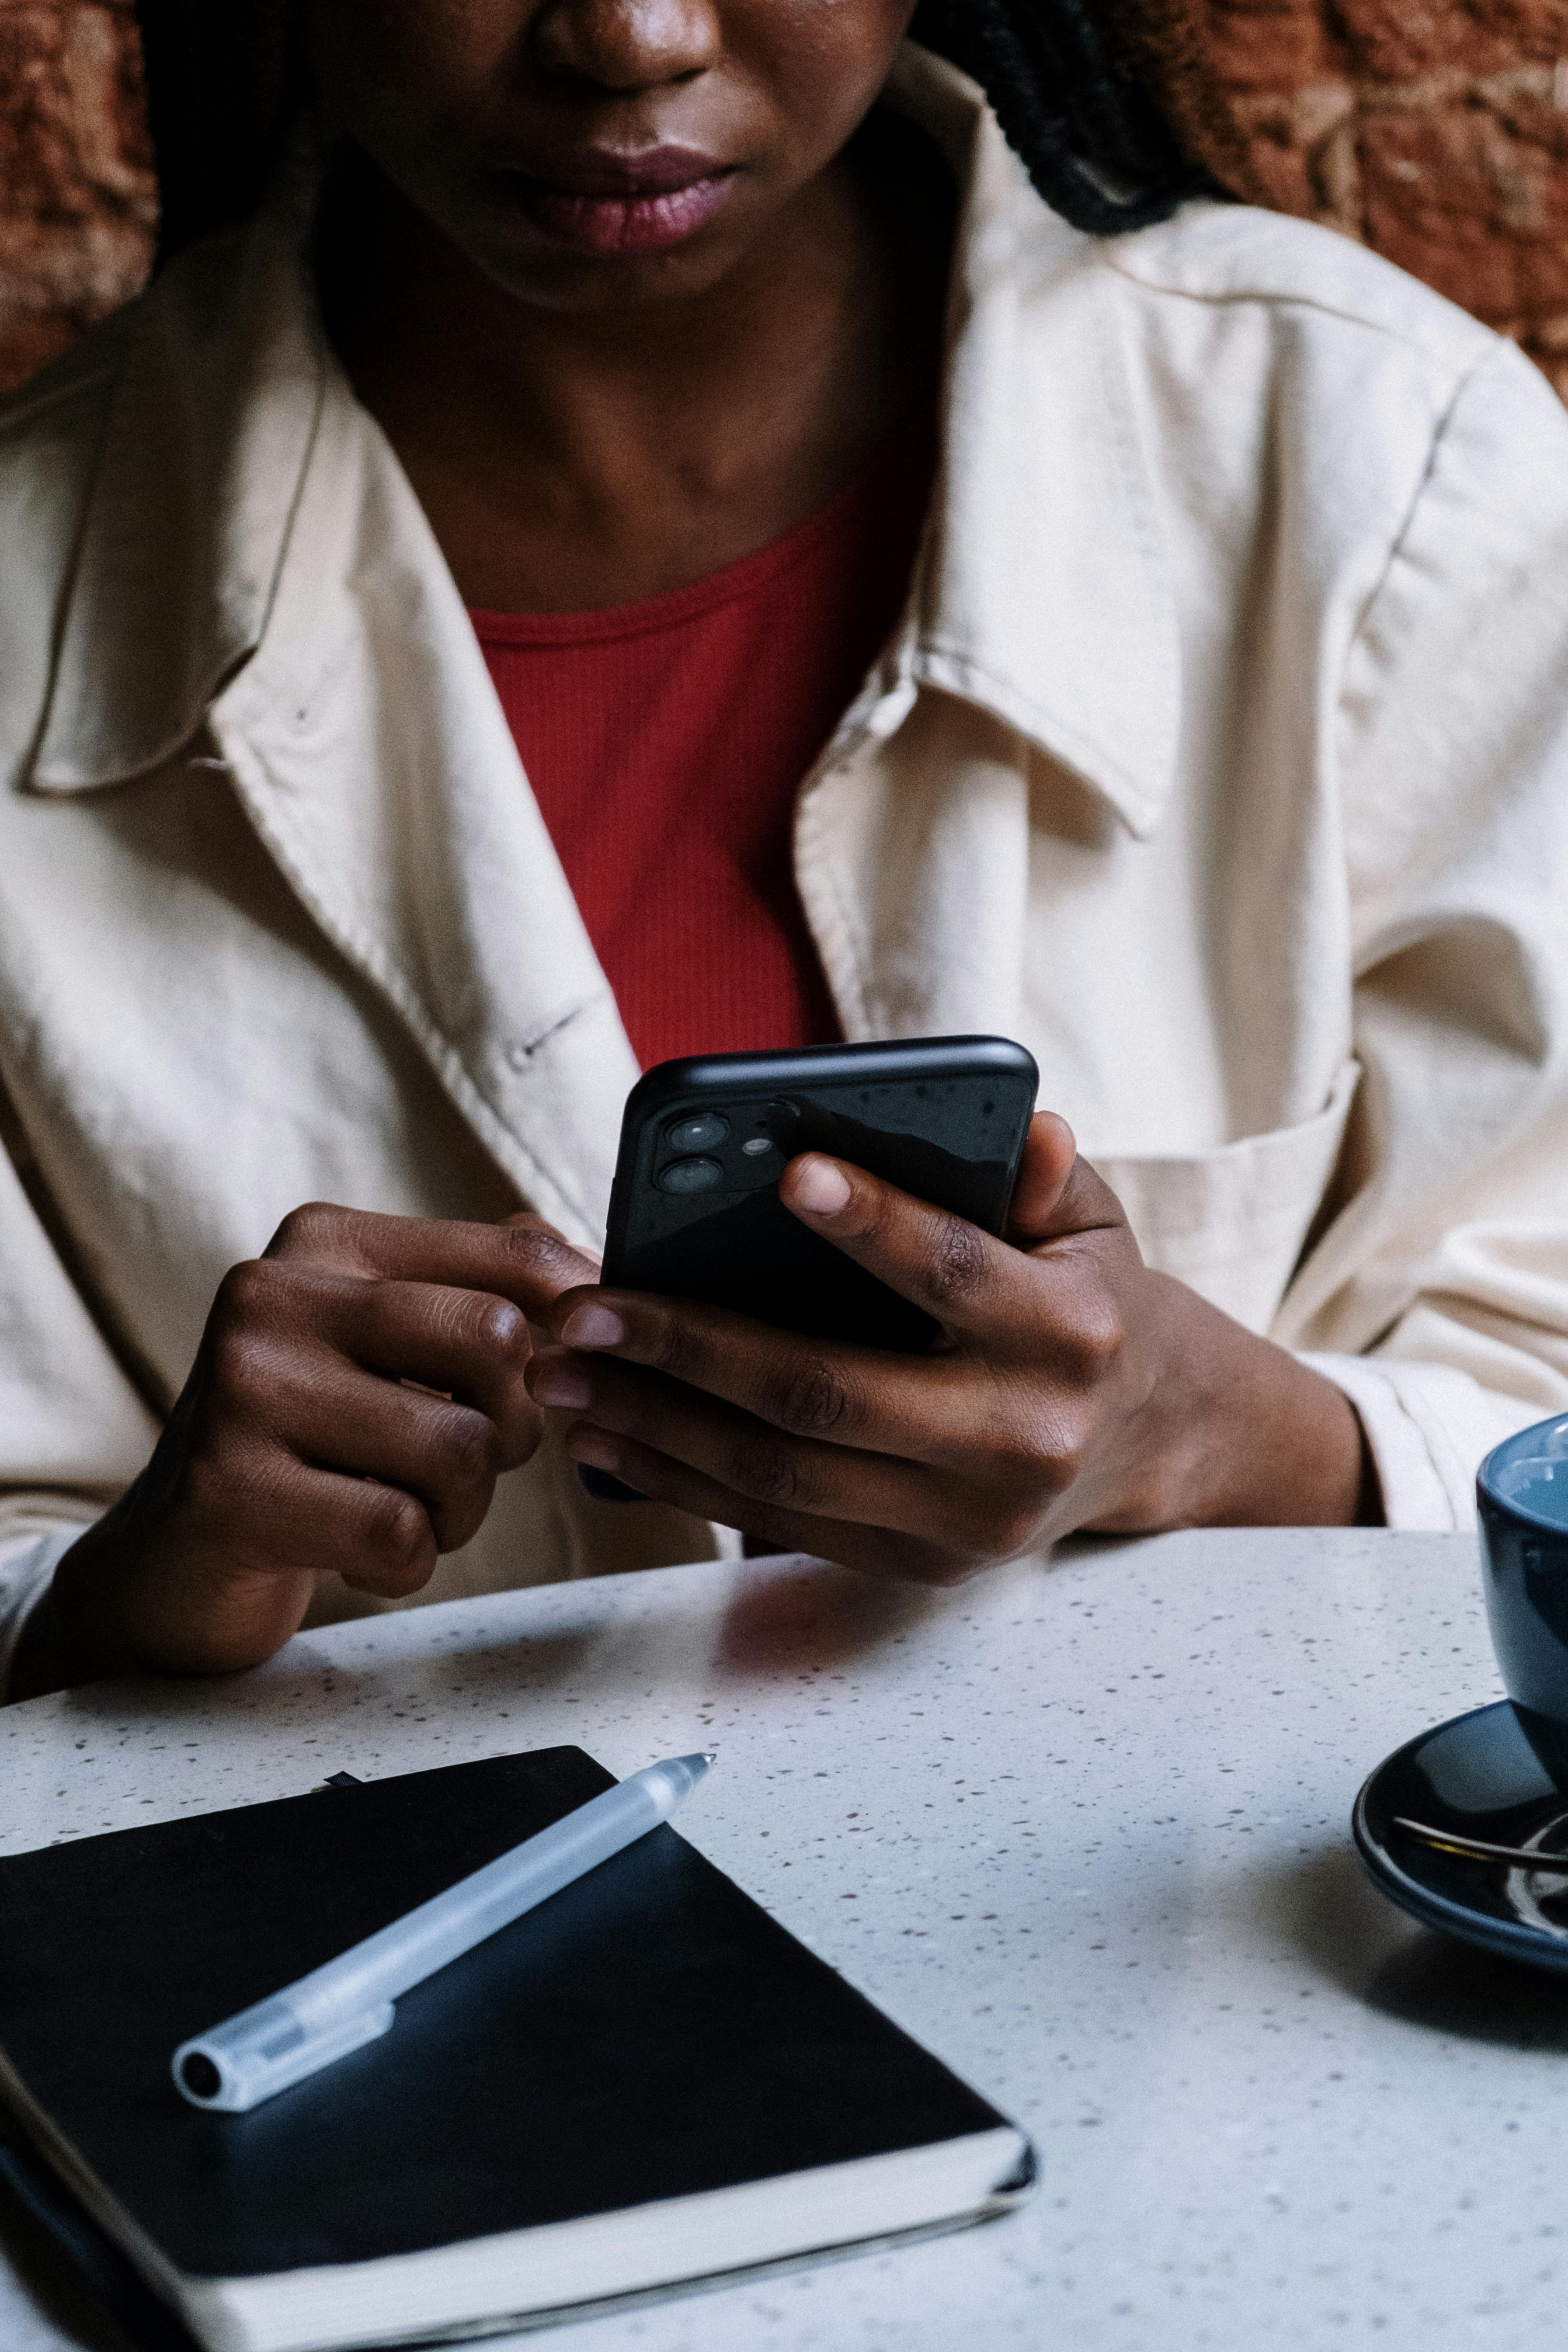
(1231, 1223)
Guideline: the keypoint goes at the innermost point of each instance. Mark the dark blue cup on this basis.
(1522, 1494)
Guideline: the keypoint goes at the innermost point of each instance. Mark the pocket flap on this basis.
(1230, 1223)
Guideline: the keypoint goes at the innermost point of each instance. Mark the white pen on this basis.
(348, 2001)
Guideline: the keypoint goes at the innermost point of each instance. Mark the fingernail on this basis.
(593, 1326)
(561, 1384)
(820, 1188)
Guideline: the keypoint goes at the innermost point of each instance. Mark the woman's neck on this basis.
(571, 461)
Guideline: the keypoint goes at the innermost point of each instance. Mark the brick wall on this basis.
(1434, 129)
(1436, 133)
(78, 202)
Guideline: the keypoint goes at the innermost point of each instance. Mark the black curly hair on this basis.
(1094, 144)
(1091, 138)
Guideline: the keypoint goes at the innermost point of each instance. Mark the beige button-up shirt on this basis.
(1221, 756)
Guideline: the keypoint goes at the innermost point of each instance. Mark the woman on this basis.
(633, 434)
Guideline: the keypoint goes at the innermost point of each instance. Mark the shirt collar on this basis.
(1043, 596)
(1046, 597)
(204, 449)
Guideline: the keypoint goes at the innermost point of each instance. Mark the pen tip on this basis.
(710, 1756)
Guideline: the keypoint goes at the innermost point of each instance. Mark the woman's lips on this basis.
(613, 206)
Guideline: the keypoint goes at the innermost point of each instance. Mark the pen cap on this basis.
(263, 2050)
(670, 1783)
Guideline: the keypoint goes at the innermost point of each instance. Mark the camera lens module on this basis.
(699, 1133)
(690, 1175)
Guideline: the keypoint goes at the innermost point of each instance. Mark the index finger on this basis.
(524, 1260)
(929, 1409)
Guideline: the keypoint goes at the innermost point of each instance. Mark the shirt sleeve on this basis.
(1437, 1296)
(74, 1431)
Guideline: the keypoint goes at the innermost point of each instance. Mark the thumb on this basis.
(1056, 1193)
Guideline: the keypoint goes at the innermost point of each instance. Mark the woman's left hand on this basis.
(1074, 1388)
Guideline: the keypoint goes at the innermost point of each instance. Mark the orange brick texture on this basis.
(79, 204)
(1435, 133)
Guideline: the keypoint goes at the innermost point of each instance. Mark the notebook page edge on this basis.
(468, 2286)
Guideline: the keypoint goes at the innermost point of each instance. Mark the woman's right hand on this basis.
(358, 1389)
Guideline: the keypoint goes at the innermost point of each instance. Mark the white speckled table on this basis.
(1084, 1828)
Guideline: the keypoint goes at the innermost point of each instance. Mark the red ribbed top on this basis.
(667, 742)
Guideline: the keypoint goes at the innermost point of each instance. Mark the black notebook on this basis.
(644, 2083)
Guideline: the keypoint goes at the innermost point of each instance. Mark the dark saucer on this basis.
(1478, 1776)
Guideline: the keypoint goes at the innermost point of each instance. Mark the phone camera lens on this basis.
(699, 1133)
(690, 1175)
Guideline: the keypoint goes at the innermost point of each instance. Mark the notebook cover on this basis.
(650, 2032)
(57, 2245)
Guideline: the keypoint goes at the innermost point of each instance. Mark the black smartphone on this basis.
(695, 1211)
